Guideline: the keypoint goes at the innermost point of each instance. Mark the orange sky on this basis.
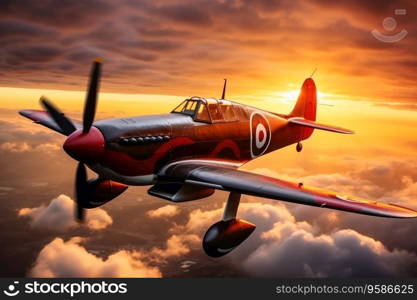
(183, 48)
(375, 126)
(158, 53)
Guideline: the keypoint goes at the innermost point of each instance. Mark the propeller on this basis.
(81, 191)
(79, 140)
(91, 100)
(65, 124)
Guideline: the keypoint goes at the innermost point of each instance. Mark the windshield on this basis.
(195, 108)
(188, 107)
(202, 113)
(208, 110)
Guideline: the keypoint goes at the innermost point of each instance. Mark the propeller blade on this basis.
(66, 126)
(91, 100)
(81, 191)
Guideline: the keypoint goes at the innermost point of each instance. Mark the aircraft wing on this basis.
(230, 179)
(43, 118)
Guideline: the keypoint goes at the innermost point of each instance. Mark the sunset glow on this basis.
(158, 53)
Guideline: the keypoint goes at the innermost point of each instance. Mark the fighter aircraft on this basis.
(192, 151)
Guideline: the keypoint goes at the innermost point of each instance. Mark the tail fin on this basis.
(306, 105)
(304, 113)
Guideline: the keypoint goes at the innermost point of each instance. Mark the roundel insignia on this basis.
(260, 134)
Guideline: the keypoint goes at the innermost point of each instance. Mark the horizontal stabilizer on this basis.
(312, 124)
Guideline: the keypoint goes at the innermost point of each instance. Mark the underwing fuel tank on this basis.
(101, 191)
(223, 236)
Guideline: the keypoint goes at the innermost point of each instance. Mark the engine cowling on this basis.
(224, 236)
(101, 191)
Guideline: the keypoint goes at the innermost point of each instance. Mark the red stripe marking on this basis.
(226, 144)
(126, 165)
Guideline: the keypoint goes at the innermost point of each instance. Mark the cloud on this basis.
(15, 132)
(292, 250)
(58, 215)
(20, 147)
(70, 259)
(176, 245)
(15, 147)
(37, 54)
(156, 46)
(24, 146)
(399, 106)
(17, 28)
(386, 179)
(281, 246)
(79, 14)
(166, 211)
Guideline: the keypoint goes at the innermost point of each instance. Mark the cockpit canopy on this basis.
(210, 110)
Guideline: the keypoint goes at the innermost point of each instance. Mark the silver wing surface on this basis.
(228, 178)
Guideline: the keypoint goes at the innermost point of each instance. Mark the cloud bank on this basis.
(281, 246)
(70, 259)
(158, 46)
(166, 211)
(58, 215)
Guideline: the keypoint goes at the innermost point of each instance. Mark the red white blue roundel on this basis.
(260, 135)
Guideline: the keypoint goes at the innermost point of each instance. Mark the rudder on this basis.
(306, 106)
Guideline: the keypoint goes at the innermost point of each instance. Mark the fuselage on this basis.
(137, 147)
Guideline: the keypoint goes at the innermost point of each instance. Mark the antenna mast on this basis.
(224, 89)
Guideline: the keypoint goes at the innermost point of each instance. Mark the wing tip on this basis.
(30, 113)
(25, 113)
(347, 131)
(405, 212)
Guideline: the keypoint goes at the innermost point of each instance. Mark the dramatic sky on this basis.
(158, 52)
